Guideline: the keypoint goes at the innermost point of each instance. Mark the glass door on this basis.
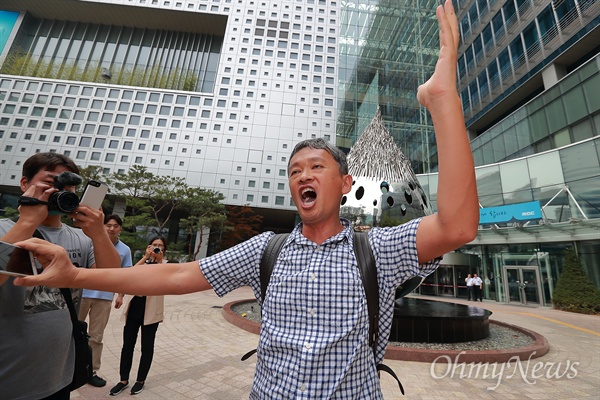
(522, 285)
(445, 281)
(531, 291)
(512, 285)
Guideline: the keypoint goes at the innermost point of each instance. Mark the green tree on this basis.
(92, 172)
(133, 187)
(165, 195)
(10, 212)
(574, 290)
(205, 211)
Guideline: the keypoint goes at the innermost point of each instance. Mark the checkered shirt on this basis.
(314, 334)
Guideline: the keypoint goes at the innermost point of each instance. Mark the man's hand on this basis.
(58, 269)
(119, 301)
(443, 81)
(36, 214)
(89, 220)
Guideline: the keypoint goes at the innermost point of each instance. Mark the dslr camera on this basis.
(64, 202)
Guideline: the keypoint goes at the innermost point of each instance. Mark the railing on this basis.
(525, 9)
(510, 73)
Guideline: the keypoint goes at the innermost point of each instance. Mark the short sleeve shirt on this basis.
(35, 325)
(314, 333)
(125, 255)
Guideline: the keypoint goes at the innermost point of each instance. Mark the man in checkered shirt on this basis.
(314, 335)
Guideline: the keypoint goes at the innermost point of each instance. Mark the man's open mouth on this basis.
(308, 196)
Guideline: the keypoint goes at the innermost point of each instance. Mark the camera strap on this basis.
(30, 201)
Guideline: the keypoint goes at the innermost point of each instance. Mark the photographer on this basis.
(140, 312)
(35, 325)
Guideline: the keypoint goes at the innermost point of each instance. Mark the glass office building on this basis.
(529, 80)
(218, 92)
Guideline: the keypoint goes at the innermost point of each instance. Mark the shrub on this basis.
(574, 290)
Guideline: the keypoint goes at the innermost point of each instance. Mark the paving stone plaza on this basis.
(197, 356)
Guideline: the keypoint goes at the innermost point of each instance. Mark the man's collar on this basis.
(344, 235)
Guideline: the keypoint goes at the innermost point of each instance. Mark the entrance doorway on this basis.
(522, 285)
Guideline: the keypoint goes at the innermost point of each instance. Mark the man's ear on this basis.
(23, 183)
(347, 185)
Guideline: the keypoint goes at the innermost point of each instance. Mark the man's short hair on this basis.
(117, 219)
(47, 161)
(321, 144)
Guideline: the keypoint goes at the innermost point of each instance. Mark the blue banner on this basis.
(7, 22)
(514, 212)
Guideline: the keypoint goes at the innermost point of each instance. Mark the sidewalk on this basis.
(197, 356)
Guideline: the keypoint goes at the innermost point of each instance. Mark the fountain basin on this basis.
(426, 321)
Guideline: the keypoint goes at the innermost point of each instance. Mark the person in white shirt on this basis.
(469, 282)
(477, 288)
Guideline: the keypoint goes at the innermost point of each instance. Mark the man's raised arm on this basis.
(457, 218)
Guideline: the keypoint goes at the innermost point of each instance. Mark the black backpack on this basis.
(368, 273)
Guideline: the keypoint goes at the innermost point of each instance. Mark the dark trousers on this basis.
(477, 293)
(470, 292)
(63, 394)
(130, 332)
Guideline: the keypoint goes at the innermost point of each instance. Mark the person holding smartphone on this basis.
(97, 304)
(36, 337)
(140, 313)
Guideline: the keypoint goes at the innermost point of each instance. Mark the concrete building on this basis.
(219, 92)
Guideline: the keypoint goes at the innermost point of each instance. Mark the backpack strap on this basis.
(267, 262)
(368, 274)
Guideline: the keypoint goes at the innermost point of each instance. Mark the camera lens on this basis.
(63, 201)
(156, 250)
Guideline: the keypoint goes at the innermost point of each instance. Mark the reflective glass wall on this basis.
(386, 49)
(117, 54)
(566, 181)
(544, 177)
(567, 113)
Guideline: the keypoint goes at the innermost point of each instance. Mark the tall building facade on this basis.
(219, 92)
(216, 92)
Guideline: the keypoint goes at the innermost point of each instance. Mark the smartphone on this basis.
(93, 194)
(16, 261)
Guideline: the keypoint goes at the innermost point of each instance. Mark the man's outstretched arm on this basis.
(457, 218)
(143, 280)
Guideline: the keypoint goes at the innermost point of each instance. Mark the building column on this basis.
(202, 236)
(552, 74)
(119, 207)
(472, 134)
